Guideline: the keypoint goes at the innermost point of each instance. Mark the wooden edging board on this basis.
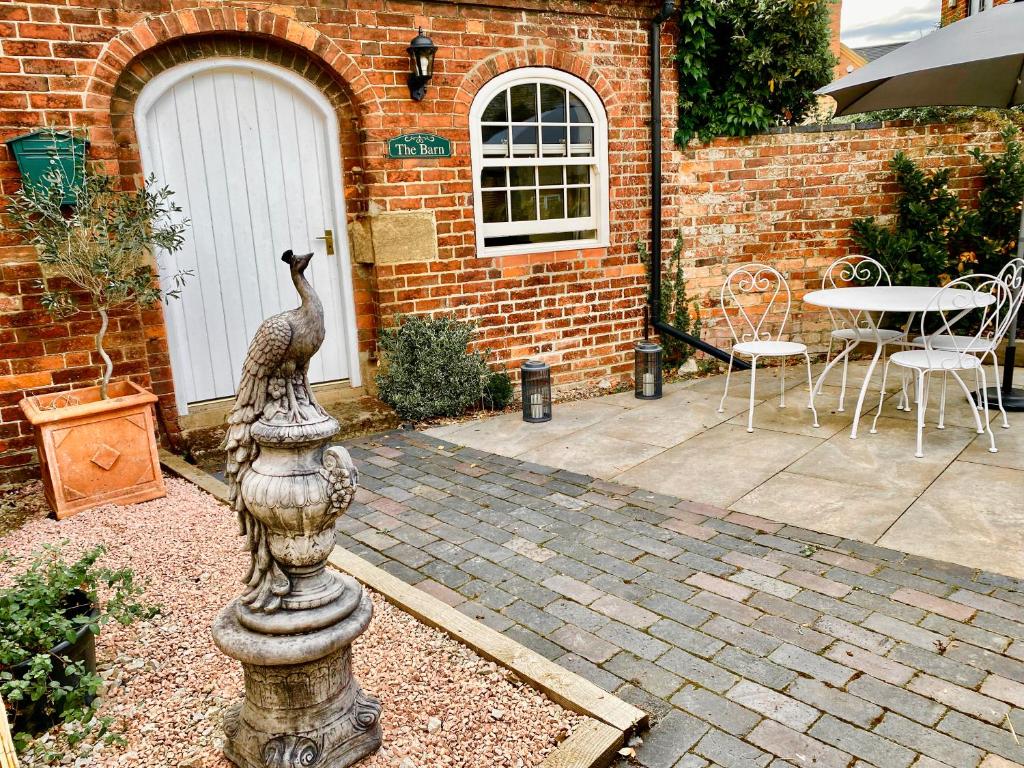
(590, 746)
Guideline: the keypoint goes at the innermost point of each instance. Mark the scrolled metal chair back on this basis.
(1012, 276)
(747, 317)
(854, 270)
(955, 305)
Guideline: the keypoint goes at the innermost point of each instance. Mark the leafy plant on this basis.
(35, 615)
(935, 236)
(99, 245)
(427, 368)
(498, 390)
(746, 65)
(674, 305)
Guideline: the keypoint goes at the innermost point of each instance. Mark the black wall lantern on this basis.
(536, 378)
(648, 370)
(421, 57)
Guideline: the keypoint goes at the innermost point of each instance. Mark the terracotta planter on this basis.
(95, 451)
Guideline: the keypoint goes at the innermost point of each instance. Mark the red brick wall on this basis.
(958, 9)
(81, 63)
(788, 199)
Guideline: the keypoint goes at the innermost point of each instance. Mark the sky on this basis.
(877, 22)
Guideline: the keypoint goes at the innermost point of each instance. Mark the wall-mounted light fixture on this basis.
(421, 57)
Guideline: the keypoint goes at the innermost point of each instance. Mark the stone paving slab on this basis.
(750, 643)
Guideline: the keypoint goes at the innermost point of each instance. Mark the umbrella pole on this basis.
(1013, 399)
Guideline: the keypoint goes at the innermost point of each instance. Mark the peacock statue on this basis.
(274, 387)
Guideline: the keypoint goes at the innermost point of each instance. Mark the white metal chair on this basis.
(954, 353)
(1012, 277)
(854, 329)
(744, 289)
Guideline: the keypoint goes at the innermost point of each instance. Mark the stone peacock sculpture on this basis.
(274, 386)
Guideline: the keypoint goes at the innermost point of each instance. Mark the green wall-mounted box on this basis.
(45, 154)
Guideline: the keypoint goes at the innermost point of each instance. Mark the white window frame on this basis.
(977, 6)
(599, 165)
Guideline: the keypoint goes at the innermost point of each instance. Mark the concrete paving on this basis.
(959, 503)
(752, 644)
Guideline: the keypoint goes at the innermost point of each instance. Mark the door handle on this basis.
(328, 238)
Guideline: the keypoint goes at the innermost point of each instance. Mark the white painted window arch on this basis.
(539, 139)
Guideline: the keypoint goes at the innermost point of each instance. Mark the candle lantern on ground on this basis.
(648, 370)
(536, 378)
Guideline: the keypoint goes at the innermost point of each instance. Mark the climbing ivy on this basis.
(746, 65)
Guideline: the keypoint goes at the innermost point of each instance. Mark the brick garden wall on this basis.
(789, 198)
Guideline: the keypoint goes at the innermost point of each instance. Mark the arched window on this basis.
(540, 163)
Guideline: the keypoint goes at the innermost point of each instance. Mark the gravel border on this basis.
(443, 704)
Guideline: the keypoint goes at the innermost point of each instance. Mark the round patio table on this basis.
(861, 301)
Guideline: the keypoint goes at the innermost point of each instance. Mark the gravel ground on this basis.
(443, 705)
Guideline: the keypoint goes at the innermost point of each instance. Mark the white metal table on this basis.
(862, 301)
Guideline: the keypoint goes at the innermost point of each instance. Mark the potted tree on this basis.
(97, 444)
(51, 615)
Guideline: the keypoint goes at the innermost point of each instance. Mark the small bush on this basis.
(936, 235)
(35, 618)
(427, 369)
(498, 391)
(675, 305)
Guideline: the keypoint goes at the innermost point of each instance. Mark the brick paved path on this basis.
(751, 644)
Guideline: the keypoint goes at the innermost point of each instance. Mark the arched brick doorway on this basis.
(268, 54)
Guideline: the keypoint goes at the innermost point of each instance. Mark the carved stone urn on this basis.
(293, 627)
(302, 706)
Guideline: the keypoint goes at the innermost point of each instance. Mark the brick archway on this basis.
(133, 58)
(518, 58)
(124, 49)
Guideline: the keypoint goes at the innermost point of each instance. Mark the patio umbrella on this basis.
(974, 62)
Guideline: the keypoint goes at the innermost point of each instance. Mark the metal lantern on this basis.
(536, 378)
(421, 58)
(47, 156)
(648, 370)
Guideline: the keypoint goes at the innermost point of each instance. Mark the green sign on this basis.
(410, 145)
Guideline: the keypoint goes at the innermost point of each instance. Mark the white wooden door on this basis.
(251, 153)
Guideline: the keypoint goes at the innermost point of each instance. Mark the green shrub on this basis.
(936, 237)
(746, 65)
(498, 391)
(674, 305)
(34, 620)
(427, 369)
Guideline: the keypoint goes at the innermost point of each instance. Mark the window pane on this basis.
(552, 104)
(551, 174)
(577, 174)
(492, 177)
(582, 141)
(495, 140)
(522, 176)
(497, 110)
(554, 140)
(524, 103)
(579, 202)
(552, 204)
(495, 207)
(578, 113)
(524, 141)
(524, 205)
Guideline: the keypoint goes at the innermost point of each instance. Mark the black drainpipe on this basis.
(654, 44)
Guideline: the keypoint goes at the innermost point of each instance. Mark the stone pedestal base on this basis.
(302, 706)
